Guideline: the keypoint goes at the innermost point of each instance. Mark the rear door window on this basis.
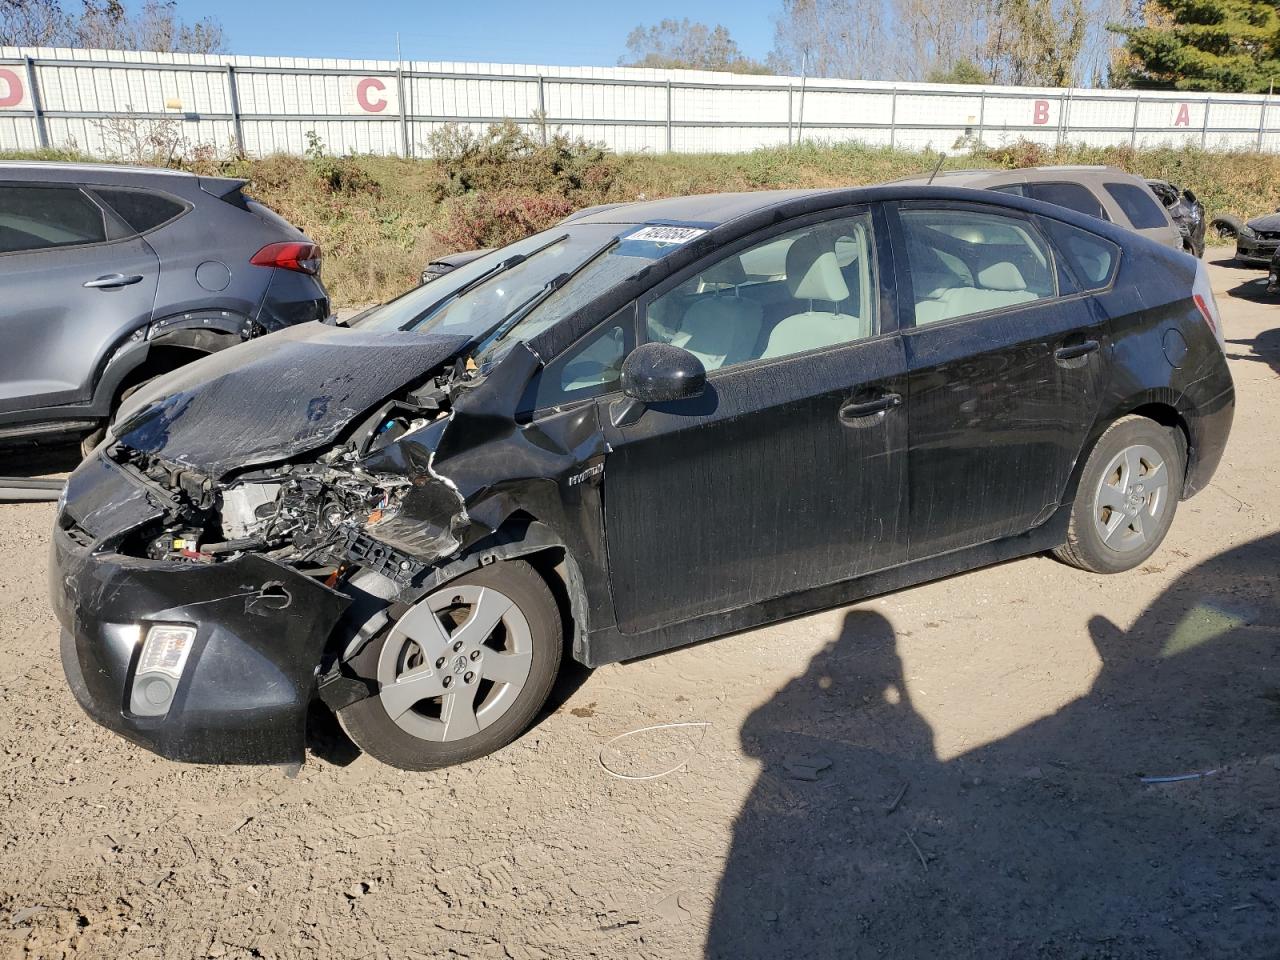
(40, 218)
(965, 262)
(1138, 205)
(142, 210)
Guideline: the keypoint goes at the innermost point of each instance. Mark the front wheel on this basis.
(1128, 494)
(462, 673)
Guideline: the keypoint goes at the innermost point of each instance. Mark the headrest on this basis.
(1002, 276)
(728, 271)
(813, 273)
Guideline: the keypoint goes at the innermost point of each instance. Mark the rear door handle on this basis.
(1075, 350)
(112, 280)
(865, 408)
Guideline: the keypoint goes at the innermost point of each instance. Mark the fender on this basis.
(207, 331)
(126, 358)
(218, 328)
(521, 536)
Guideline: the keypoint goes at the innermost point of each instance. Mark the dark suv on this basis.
(115, 275)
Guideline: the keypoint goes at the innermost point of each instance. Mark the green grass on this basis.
(380, 219)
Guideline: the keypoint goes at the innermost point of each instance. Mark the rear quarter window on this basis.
(142, 210)
(1092, 259)
(1073, 196)
(1138, 205)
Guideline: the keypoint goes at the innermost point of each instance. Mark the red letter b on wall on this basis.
(1041, 114)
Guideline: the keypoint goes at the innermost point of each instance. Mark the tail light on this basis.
(289, 255)
(1202, 295)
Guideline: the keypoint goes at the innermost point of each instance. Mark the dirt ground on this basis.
(949, 771)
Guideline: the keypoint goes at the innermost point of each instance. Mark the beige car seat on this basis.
(722, 328)
(999, 285)
(813, 274)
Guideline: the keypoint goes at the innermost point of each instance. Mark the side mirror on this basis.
(659, 372)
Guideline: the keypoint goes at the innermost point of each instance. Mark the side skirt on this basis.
(611, 646)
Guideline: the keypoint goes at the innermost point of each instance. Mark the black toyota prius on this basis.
(647, 426)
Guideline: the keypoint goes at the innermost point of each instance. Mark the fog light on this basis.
(164, 655)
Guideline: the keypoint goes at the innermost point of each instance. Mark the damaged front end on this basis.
(266, 572)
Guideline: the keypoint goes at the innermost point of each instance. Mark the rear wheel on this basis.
(90, 441)
(462, 673)
(1127, 497)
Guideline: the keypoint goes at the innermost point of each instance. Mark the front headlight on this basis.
(1248, 232)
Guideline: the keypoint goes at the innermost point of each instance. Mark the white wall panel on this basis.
(89, 99)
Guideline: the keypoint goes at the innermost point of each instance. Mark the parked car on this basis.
(1257, 240)
(116, 275)
(438, 267)
(1187, 213)
(647, 427)
(1103, 192)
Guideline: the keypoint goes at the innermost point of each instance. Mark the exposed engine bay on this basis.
(313, 514)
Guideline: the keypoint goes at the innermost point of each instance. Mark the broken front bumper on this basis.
(1255, 250)
(261, 628)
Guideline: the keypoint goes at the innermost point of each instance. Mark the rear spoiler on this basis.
(224, 188)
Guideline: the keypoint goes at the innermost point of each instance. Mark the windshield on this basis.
(515, 293)
(477, 296)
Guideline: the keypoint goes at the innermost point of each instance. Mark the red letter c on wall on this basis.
(12, 95)
(367, 103)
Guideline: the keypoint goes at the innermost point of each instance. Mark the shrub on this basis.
(496, 218)
(507, 156)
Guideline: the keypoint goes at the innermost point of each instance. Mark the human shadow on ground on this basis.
(1264, 348)
(1254, 290)
(1046, 843)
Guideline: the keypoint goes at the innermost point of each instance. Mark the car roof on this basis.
(59, 171)
(704, 209)
(987, 177)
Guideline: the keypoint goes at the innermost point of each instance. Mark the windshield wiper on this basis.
(485, 277)
(508, 323)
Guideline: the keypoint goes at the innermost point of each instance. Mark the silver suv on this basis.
(1102, 192)
(116, 275)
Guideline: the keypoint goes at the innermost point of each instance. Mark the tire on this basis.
(1225, 226)
(1127, 498)
(89, 442)
(438, 658)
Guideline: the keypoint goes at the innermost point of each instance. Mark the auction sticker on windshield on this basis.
(653, 241)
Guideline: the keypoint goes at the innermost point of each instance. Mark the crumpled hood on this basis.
(1268, 222)
(275, 397)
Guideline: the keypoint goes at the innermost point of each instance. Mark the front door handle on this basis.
(865, 408)
(1075, 350)
(112, 280)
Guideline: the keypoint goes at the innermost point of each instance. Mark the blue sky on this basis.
(532, 31)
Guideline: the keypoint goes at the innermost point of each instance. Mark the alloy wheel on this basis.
(1131, 498)
(455, 663)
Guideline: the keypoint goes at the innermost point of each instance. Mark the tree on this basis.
(962, 71)
(681, 44)
(1036, 42)
(828, 38)
(1002, 41)
(107, 25)
(32, 23)
(1228, 45)
(156, 26)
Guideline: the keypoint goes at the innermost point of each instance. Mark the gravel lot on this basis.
(952, 771)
